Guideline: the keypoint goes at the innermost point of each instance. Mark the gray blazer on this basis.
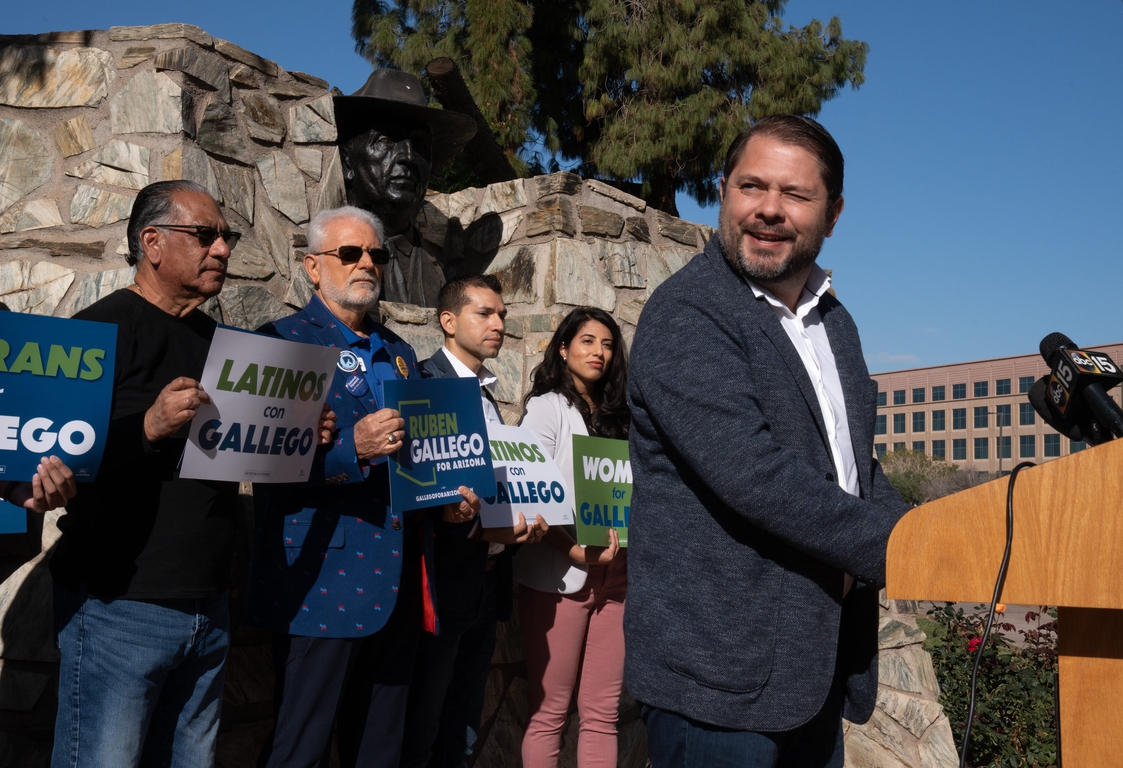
(740, 534)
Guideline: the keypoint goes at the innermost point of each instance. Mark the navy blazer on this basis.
(740, 534)
(459, 560)
(327, 554)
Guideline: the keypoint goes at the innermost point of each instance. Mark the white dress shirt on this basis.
(807, 333)
(491, 415)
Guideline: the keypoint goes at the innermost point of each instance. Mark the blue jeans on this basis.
(674, 741)
(140, 682)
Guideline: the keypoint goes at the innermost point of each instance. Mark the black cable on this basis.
(993, 603)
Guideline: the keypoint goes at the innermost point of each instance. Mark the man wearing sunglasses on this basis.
(337, 575)
(142, 568)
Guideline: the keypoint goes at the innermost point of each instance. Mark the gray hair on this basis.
(317, 227)
(152, 204)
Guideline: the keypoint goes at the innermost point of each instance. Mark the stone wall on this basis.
(89, 118)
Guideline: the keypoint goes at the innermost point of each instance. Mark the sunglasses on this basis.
(205, 235)
(351, 254)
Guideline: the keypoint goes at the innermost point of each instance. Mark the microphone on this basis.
(1038, 397)
(1077, 388)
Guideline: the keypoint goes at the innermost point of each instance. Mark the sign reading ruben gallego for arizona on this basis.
(526, 481)
(267, 396)
(445, 445)
(56, 391)
(602, 485)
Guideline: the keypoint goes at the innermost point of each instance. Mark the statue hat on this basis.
(391, 94)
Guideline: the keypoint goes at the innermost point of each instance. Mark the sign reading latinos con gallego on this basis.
(445, 445)
(56, 391)
(267, 397)
(602, 485)
(526, 481)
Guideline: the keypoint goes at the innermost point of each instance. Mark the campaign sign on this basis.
(445, 445)
(267, 396)
(602, 485)
(526, 481)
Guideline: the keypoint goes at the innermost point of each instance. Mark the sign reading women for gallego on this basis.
(262, 425)
(445, 445)
(602, 483)
(526, 481)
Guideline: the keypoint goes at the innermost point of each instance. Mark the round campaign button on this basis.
(348, 361)
(402, 367)
(357, 386)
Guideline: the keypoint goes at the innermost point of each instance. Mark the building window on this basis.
(1027, 446)
(898, 423)
(1026, 416)
(879, 425)
(1075, 446)
(918, 446)
(938, 450)
(918, 421)
(959, 418)
(959, 450)
(958, 391)
(937, 421)
(981, 388)
(881, 399)
(981, 420)
(1052, 446)
(1004, 447)
(918, 395)
(898, 447)
(982, 451)
(1002, 415)
(939, 393)
(898, 397)
(1025, 383)
(1002, 387)
(879, 449)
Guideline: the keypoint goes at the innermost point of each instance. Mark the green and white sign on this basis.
(262, 425)
(602, 486)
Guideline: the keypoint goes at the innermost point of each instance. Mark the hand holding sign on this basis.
(520, 533)
(379, 434)
(175, 406)
(464, 511)
(327, 425)
(51, 487)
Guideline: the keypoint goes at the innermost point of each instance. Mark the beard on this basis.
(765, 268)
(353, 295)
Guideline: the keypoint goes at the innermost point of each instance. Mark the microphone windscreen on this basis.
(1054, 343)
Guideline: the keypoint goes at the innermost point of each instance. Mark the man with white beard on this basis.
(337, 574)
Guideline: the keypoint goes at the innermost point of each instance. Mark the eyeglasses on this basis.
(351, 254)
(205, 235)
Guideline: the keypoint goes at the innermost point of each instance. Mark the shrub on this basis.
(1015, 720)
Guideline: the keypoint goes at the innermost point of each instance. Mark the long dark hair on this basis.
(610, 417)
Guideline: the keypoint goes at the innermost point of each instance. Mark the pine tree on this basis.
(642, 93)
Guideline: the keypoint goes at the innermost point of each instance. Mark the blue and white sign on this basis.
(446, 442)
(526, 481)
(56, 392)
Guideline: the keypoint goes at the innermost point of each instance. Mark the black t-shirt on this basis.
(139, 531)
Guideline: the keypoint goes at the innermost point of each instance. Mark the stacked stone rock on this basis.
(88, 118)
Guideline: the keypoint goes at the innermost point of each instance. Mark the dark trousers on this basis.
(674, 741)
(360, 684)
(446, 695)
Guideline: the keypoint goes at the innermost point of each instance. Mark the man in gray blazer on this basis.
(759, 518)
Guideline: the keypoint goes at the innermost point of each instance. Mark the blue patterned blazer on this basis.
(327, 554)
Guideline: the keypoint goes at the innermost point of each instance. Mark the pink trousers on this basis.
(575, 640)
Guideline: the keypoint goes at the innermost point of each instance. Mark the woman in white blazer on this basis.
(571, 599)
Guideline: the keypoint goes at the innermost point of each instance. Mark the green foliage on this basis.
(645, 91)
(1015, 712)
(917, 476)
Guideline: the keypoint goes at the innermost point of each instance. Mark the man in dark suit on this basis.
(336, 573)
(759, 517)
(473, 566)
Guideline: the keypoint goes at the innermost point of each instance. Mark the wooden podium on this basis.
(1067, 552)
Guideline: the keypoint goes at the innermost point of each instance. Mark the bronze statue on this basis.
(389, 142)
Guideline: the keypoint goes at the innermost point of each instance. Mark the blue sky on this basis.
(983, 158)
